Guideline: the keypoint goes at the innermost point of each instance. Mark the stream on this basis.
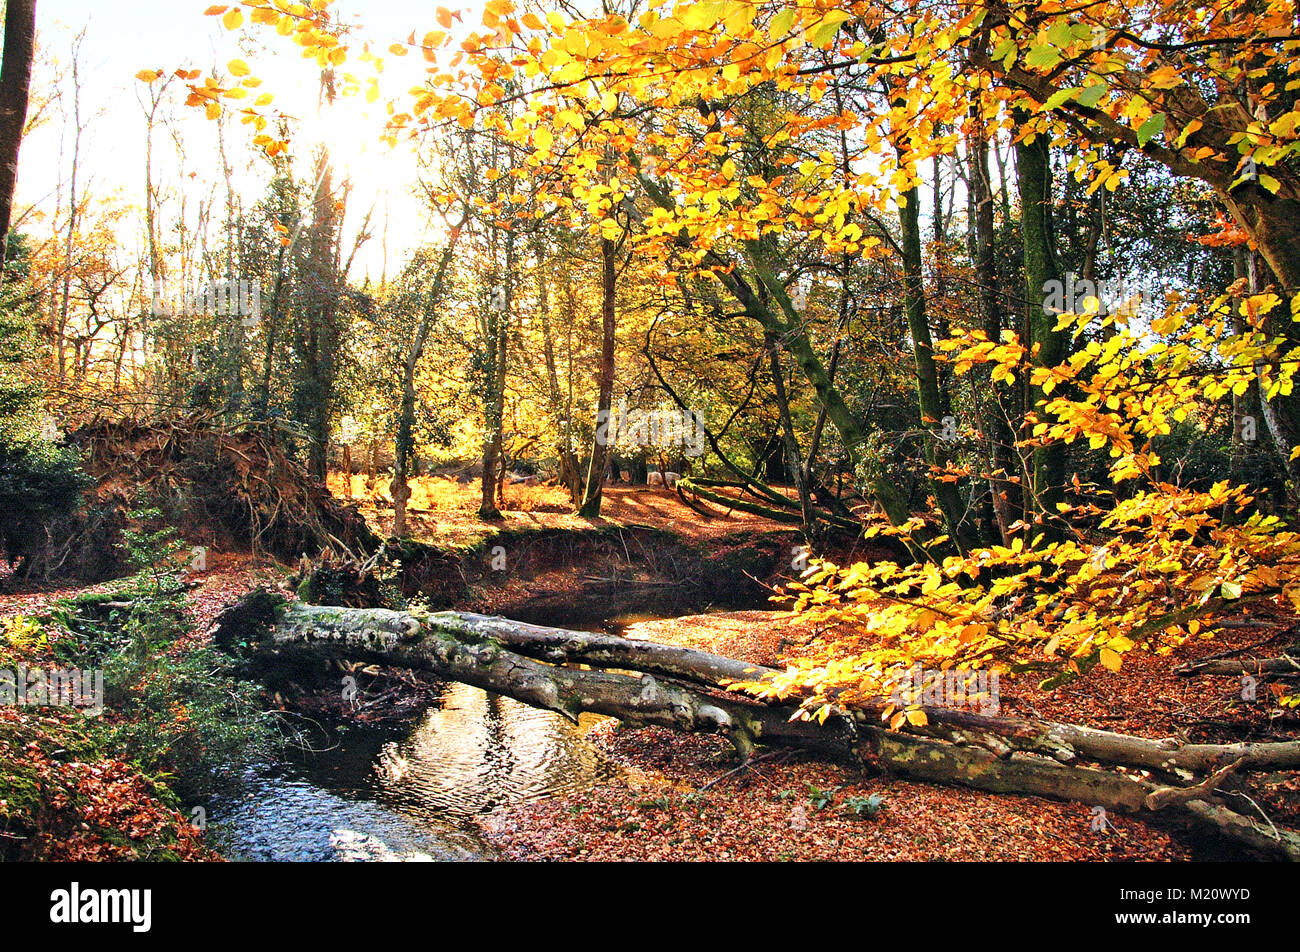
(409, 794)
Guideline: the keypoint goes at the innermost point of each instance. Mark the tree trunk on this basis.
(998, 405)
(15, 80)
(1034, 172)
(676, 687)
(930, 396)
(497, 337)
(794, 462)
(405, 442)
(590, 508)
(567, 468)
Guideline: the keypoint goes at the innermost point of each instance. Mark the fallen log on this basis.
(687, 485)
(1067, 743)
(458, 647)
(681, 688)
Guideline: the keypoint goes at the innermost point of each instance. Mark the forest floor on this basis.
(443, 511)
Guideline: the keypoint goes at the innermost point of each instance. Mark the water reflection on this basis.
(480, 751)
(380, 794)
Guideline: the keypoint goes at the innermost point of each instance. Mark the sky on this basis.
(123, 38)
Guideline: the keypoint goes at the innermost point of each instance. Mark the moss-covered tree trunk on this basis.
(15, 79)
(1046, 344)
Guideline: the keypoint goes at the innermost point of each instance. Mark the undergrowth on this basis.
(176, 721)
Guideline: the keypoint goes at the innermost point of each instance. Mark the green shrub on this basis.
(40, 480)
(176, 711)
(184, 717)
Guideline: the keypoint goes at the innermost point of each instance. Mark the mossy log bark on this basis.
(683, 689)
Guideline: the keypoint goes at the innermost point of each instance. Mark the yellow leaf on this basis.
(233, 19)
(1110, 659)
(917, 718)
(238, 67)
(698, 16)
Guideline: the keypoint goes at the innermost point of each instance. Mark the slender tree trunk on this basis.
(590, 508)
(73, 214)
(497, 334)
(931, 397)
(789, 441)
(1004, 195)
(554, 401)
(999, 405)
(405, 442)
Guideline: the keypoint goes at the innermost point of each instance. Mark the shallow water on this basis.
(381, 794)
